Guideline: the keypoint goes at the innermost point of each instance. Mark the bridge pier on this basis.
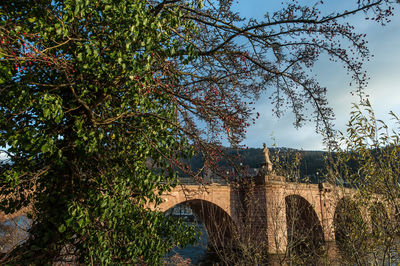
(276, 217)
(332, 253)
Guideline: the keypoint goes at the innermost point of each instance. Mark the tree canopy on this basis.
(100, 101)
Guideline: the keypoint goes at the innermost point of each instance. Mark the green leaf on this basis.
(62, 228)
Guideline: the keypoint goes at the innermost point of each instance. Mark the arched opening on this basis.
(380, 223)
(214, 224)
(384, 241)
(304, 230)
(351, 231)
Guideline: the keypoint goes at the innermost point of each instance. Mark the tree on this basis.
(100, 101)
(82, 116)
(368, 159)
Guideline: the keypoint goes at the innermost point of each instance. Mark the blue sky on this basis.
(383, 70)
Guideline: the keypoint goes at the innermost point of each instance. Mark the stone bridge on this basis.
(269, 210)
(273, 210)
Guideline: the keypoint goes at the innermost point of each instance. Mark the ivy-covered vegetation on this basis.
(82, 112)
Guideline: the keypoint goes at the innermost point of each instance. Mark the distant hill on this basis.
(311, 163)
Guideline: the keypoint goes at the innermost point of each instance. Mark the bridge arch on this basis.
(351, 230)
(217, 221)
(378, 216)
(218, 195)
(305, 234)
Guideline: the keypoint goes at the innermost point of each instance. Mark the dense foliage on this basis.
(81, 117)
(99, 101)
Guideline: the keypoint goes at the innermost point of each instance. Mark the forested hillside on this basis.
(310, 165)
